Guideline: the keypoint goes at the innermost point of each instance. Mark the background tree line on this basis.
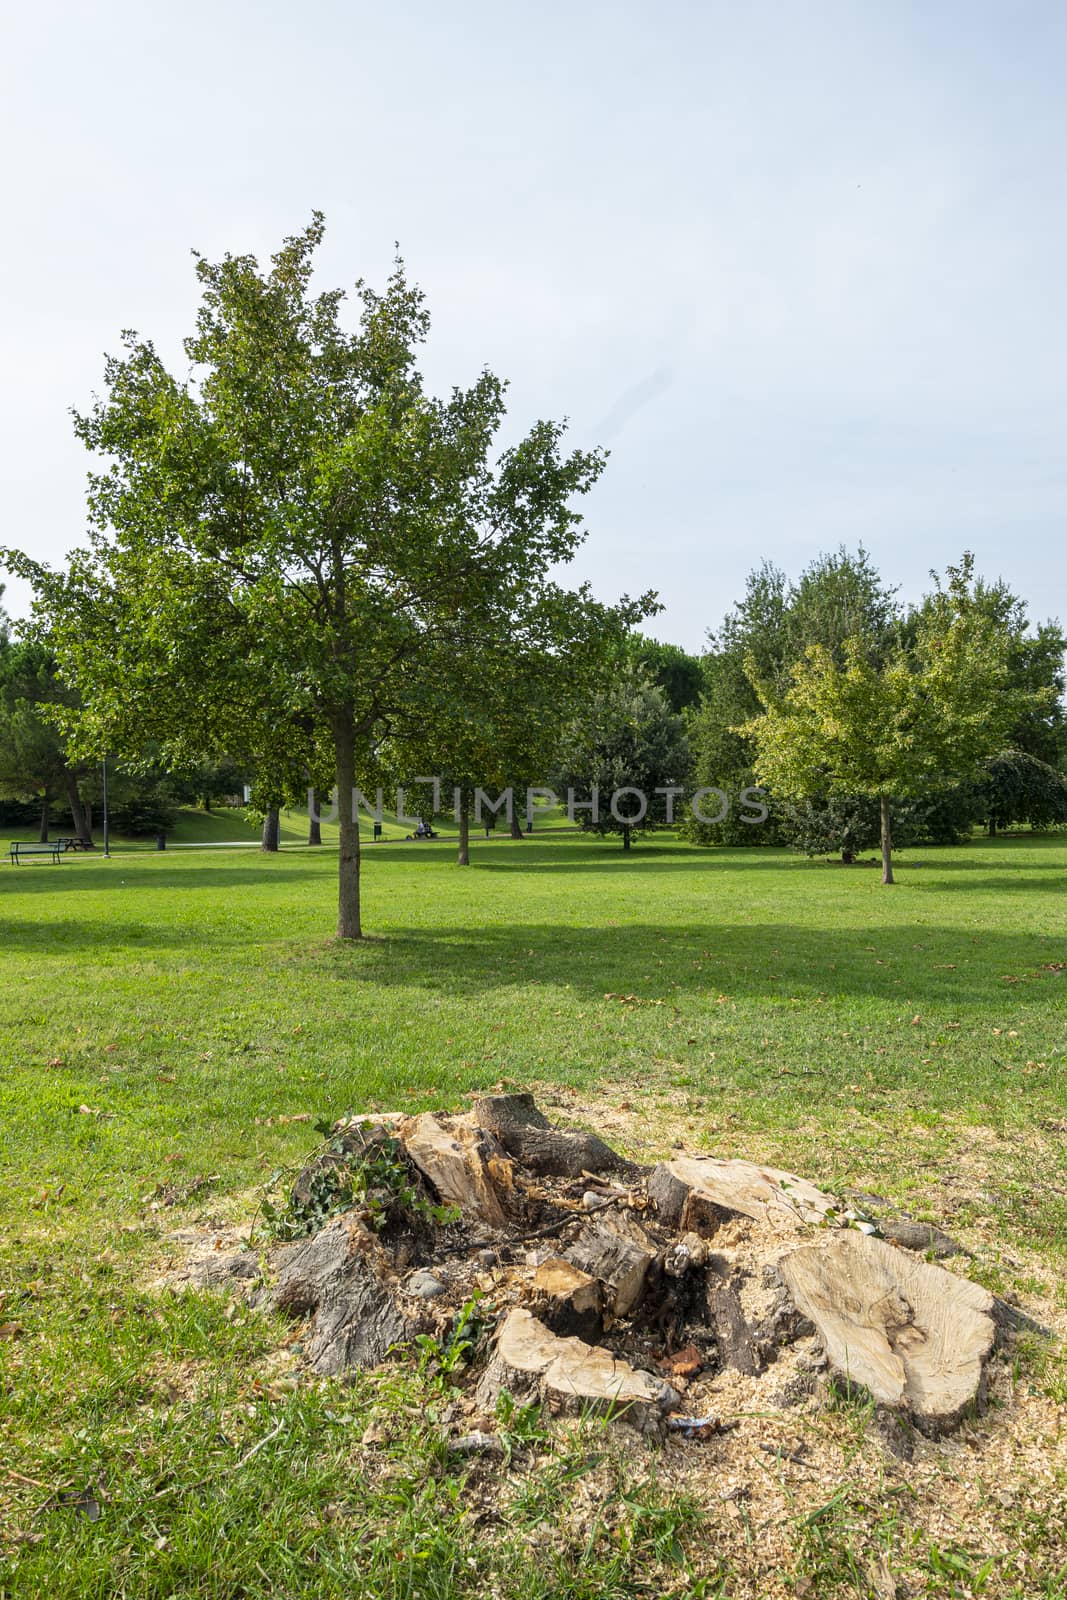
(838, 635)
(303, 570)
(650, 714)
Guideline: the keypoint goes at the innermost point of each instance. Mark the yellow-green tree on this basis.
(897, 724)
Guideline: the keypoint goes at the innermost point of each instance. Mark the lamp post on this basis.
(107, 850)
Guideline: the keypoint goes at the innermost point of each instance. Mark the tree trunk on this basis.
(992, 827)
(464, 855)
(619, 1264)
(314, 825)
(271, 828)
(334, 1276)
(348, 918)
(626, 838)
(77, 812)
(848, 858)
(43, 833)
(887, 842)
(516, 823)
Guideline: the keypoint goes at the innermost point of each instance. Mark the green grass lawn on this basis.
(162, 1015)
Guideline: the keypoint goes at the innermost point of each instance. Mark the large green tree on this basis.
(295, 543)
(620, 757)
(893, 724)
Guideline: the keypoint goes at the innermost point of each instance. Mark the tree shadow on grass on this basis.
(100, 877)
(953, 968)
(577, 854)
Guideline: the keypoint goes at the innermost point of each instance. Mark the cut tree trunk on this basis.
(616, 1262)
(689, 1191)
(334, 1276)
(620, 1280)
(531, 1362)
(458, 1160)
(887, 841)
(529, 1136)
(42, 835)
(566, 1299)
(349, 925)
(77, 812)
(913, 1335)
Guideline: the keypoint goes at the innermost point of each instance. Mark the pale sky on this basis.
(802, 266)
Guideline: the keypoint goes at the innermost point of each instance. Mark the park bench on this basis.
(21, 848)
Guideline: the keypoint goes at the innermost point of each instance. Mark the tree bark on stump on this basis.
(528, 1135)
(531, 1362)
(617, 1263)
(689, 1189)
(737, 1347)
(334, 1277)
(452, 1157)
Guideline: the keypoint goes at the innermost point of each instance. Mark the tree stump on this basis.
(566, 1299)
(619, 1264)
(914, 1335)
(690, 1189)
(337, 1277)
(530, 1362)
(668, 1281)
